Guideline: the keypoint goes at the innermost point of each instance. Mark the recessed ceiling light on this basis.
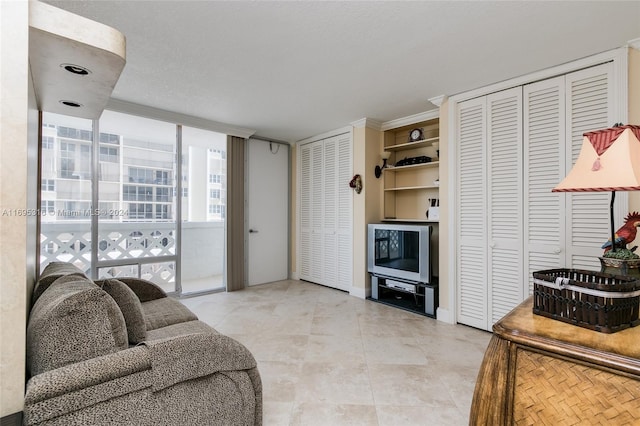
(71, 104)
(76, 69)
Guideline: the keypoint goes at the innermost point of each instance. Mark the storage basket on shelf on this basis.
(601, 302)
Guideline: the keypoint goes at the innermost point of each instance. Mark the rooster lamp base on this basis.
(613, 266)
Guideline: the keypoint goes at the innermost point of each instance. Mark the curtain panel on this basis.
(235, 213)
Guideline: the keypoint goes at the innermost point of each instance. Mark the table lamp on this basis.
(609, 161)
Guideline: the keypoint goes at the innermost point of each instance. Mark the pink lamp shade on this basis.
(609, 161)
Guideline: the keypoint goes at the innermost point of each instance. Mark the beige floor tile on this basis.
(393, 350)
(395, 415)
(276, 413)
(334, 383)
(327, 358)
(279, 380)
(336, 325)
(387, 327)
(412, 385)
(279, 347)
(342, 349)
(313, 414)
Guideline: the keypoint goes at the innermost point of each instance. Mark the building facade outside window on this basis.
(136, 187)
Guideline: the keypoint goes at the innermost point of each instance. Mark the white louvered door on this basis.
(317, 216)
(326, 207)
(330, 216)
(344, 213)
(588, 107)
(504, 213)
(472, 216)
(544, 128)
(533, 135)
(306, 190)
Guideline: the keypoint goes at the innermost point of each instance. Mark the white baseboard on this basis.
(361, 293)
(444, 315)
(294, 275)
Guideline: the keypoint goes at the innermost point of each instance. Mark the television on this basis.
(399, 251)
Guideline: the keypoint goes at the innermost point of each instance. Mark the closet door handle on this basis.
(253, 231)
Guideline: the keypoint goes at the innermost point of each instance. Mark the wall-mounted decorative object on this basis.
(356, 183)
(378, 171)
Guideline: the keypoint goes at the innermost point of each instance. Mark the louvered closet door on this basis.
(317, 211)
(544, 129)
(589, 105)
(330, 215)
(344, 213)
(504, 213)
(311, 211)
(326, 212)
(305, 212)
(472, 220)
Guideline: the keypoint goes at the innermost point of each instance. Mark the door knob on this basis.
(253, 231)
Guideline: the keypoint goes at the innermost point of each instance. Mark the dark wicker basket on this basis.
(594, 300)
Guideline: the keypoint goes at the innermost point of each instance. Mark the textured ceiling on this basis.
(290, 70)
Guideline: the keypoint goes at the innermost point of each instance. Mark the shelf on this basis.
(412, 145)
(410, 167)
(412, 188)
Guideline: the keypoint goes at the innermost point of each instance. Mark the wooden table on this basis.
(539, 371)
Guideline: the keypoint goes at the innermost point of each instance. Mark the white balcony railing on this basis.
(140, 249)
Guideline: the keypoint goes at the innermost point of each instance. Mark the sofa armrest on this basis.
(81, 375)
(145, 290)
(190, 356)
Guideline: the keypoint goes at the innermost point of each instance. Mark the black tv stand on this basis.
(421, 298)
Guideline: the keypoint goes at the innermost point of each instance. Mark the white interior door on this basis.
(267, 212)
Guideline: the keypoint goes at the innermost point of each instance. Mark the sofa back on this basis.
(52, 272)
(71, 321)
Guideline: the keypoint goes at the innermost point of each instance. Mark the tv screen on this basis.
(399, 251)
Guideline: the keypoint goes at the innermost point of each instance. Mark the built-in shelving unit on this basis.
(409, 189)
(412, 145)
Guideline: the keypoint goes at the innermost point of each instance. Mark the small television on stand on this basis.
(399, 261)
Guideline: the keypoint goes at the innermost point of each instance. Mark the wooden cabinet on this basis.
(409, 187)
(537, 370)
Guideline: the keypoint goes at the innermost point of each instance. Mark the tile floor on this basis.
(327, 358)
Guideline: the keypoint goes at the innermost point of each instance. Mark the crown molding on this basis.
(325, 135)
(177, 118)
(437, 100)
(368, 122)
(411, 119)
(634, 44)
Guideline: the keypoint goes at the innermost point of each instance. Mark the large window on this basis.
(136, 221)
(203, 180)
(65, 209)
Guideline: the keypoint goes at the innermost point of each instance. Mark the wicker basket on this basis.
(598, 301)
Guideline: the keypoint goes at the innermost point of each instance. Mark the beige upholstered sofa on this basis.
(122, 352)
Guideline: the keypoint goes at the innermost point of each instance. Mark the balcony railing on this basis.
(140, 249)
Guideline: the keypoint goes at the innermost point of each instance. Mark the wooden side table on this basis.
(539, 371)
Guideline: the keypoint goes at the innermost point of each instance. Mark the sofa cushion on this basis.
(179, 329)
(130, 306)
(52, 272)
(166, 311)
(74, 320)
